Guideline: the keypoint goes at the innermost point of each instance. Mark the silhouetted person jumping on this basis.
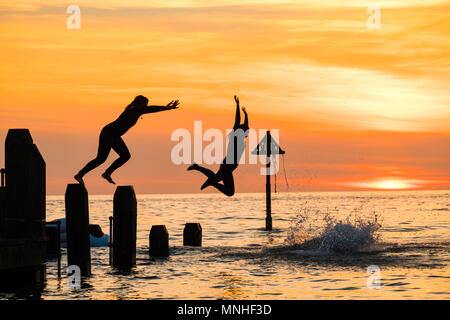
(235, 150)
(110, 136)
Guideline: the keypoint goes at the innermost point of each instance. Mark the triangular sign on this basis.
(261, 148)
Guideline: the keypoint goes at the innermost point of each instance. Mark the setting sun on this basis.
(387, 183)
(391, 184)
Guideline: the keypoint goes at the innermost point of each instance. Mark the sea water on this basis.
(323, 246)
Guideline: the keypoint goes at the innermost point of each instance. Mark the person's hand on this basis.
(236, 98)
(173, 104)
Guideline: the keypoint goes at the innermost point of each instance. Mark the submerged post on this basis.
(77, 228)
(192, 235)
(53, 242)
(159, 241)
(2, 198)
(268, 187)
(124, 227)
(2, 207)
(110, 244)
(2, 173)
(53, 231)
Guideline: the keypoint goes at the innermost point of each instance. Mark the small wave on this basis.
(440, 209)
(410, 247)
(383, 254)
(324, 231)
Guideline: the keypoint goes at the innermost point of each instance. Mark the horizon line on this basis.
(237, 193)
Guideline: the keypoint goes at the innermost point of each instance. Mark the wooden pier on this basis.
(22, 212)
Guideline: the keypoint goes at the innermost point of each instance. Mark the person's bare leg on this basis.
(212, 177)
(108, 178)
(217, 177)
(210, 182)
(193, 166)
(207, 172)
(121, 149)
(227, 188)
(79, 178)
(104, 148)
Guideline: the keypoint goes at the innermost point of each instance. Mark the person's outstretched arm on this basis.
(152, 109)
(237, 120)
(246, 117)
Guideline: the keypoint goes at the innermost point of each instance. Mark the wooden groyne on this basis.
(159, 241)
(22, 212)
(124, 227)
(25, 238)
(192, 235)
(77, 228)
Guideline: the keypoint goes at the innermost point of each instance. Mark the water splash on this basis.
(314, 229)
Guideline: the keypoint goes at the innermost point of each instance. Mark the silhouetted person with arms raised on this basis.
(111, 136)
(235, 150)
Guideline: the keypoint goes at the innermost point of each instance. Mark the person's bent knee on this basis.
(100, 159)
(126, 157)
(229, 193)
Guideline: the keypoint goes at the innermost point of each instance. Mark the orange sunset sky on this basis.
(357, 109)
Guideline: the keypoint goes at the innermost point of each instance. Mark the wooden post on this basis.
(53, 241)
(110, 244)
(268, 188)
(2, 200)
(22, 212)
(2, 209)
(159, 241)
(77, 228)
(124, 227)
(25, 187)
(58, 226)
(2, 173)
(192, 235)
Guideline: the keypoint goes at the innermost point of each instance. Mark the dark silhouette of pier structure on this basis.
(22, 212)
(27, 241)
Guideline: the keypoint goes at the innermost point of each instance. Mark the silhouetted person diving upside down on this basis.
(111, 136)
(235, 150)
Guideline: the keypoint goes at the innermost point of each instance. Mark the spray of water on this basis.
(330, 230)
